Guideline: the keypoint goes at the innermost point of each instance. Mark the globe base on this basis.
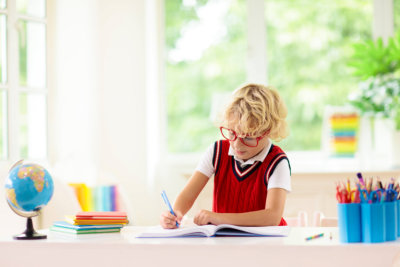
(29, 233)
(24, 236)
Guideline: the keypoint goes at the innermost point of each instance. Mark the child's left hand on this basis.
(206, 217)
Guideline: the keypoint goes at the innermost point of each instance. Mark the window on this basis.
(206, 55)
(308, 43)
(23, 98)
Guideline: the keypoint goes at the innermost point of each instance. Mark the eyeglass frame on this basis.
(241, 138)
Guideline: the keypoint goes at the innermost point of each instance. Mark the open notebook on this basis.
(216, 230)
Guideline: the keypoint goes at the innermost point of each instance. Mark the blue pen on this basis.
(164, 196)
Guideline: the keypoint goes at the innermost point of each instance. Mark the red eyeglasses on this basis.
(231, 135)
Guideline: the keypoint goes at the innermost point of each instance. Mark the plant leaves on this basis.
(374, 58)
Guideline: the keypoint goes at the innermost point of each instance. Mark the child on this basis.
(251, 175)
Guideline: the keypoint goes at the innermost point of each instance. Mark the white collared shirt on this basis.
(259, 157)
(280, 178)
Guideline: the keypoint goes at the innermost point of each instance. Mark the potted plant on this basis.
(377, 65)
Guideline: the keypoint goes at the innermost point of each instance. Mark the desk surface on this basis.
(124, 249)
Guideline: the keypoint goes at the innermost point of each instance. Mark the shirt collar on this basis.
(259, 157)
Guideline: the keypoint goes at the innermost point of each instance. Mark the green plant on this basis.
(378, 66)
(378, 96)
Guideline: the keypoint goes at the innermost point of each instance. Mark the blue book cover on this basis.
(65, 224)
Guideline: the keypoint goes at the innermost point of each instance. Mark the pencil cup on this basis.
(373, 222)
(398, 217)
(390, 220)
(349, 222)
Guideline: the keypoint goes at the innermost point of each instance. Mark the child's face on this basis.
(244, 152)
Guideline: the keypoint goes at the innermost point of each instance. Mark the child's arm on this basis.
(190, 192)
(184, 200)
(271, 215)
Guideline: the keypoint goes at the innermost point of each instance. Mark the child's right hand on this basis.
(168, 221)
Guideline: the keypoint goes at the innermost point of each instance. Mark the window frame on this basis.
(5, 87)
(13, 89)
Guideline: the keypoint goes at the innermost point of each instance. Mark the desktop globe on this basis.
(29, 187)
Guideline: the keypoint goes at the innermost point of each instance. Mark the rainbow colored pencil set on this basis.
(368, 212)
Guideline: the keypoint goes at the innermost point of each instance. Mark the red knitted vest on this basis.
(239, 189)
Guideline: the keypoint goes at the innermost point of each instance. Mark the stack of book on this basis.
(91, 223)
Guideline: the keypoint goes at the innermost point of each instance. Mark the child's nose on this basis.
(237, 142)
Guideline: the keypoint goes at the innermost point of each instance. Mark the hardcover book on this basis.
(86, 227)
(101, 215)
(75, 221)
(84, 231)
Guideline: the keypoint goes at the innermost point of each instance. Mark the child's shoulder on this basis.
(276, 150)
(221, 145)
(221, 142)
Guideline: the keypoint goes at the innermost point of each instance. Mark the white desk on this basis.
(123, 249)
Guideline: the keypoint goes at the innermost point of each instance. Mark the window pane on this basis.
(32, 52)
(35, 8)
(206, 55)
(33, 126)
(3, 4)
(3, 125)
(3, 49)
(309, 43)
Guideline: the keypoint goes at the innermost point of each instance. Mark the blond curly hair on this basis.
(256, 109)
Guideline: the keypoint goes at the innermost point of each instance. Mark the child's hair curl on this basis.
(256, 109)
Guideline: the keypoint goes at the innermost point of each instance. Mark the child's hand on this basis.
(206, 217)
(168, 221)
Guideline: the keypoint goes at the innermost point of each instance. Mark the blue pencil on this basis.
(164, 196)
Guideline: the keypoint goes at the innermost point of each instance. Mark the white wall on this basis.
(99, 125)
(122, 147)
(73, 88)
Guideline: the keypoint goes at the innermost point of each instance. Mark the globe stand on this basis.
(30, 232)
